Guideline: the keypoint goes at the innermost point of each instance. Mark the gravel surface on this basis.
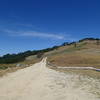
(38, 82)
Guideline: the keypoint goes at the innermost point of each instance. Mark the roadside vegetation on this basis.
(85, 52)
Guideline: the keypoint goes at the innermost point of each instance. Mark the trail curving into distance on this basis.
(38, 82)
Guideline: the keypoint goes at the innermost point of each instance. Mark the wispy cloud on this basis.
(34, 34)
(25, 25)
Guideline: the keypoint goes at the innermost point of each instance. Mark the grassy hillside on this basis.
(86, 52)
(83, 53)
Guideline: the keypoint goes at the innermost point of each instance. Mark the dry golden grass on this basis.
(76, 59)
(8, 68)
(85, 54)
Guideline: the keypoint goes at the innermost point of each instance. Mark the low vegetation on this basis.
(85, 52)
(14, 58)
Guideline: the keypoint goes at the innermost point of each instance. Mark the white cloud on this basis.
(45, 35)
(34, 34)
(64, 36)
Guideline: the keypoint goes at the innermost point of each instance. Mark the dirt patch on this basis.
(38, 82)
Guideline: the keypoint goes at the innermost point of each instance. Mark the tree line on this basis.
(14, 58)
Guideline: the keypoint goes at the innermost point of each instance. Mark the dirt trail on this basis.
(41, 83)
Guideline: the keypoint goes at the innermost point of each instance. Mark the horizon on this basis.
(51, 46)
(35, 25)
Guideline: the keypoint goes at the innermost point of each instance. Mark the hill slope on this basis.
(86, 52)
(83, 53)
(38, 82)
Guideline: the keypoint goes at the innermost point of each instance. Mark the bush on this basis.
(3, 67)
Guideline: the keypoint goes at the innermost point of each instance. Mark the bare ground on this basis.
(38, 82)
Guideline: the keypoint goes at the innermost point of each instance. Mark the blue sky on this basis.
(37, 24)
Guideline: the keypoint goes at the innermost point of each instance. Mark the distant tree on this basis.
(40, 55)
(55, 47)
(87, 39)
(14, 58)
(65, 43)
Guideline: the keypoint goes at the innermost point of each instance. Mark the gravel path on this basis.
(38, 82)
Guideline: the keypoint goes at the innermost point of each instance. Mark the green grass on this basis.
(3, 67)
